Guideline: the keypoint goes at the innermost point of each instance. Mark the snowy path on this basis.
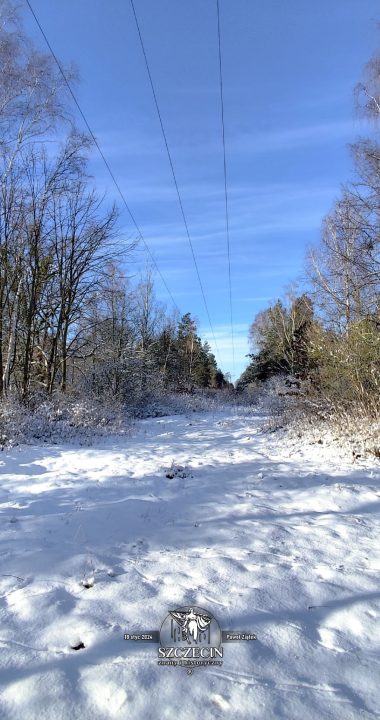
(271, 541)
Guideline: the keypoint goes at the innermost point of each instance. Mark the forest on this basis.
(326, 339)
(74, 319)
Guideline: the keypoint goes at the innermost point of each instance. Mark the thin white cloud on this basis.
(140, 144)
(288, 138)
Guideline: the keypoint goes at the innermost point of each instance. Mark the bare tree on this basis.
(33, 93)
(367, 92)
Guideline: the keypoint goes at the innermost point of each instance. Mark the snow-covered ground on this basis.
(272, 539)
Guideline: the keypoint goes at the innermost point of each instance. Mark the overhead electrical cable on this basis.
(225, 185)
(105, 161)
(173, 173)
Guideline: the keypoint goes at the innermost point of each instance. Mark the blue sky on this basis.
(289, 70)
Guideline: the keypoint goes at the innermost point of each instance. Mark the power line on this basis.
(106, 163)
(173, 173)
(225, 184)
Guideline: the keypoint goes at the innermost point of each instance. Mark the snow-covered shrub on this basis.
(59, 419)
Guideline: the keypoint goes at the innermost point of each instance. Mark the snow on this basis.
(273, 536)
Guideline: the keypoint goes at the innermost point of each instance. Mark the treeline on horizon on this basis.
(70, 320)
(326, 340)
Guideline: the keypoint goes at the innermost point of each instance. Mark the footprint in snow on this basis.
(88, 582)
(78, 646)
